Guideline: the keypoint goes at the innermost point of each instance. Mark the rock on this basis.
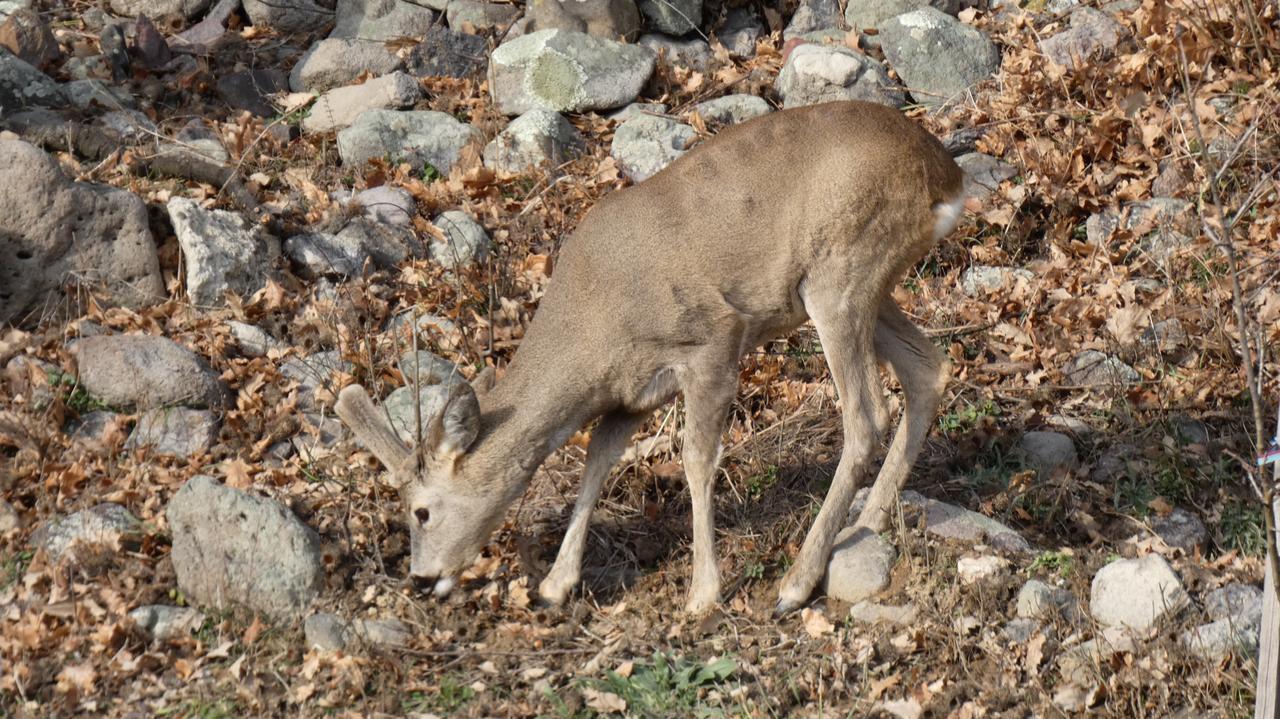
(465, 243)
(9, 519)
(739, 33)
(674, 17)
(431, 328)
(1166, 225)
(382, 20)
(977, 569)
(31, 381)
(223, 252)
(338, 62)
(89, 94)
(418, 137)
(133, 126)
(861, 562)
(957, 523)
(338, 108)
(289, 16)
(872, 613)
(320, 254)
(445, 53)
(1020, 630)
(1037, 600)
(176, 431)
(983, 173)
(53, 229)
(146, 372)
(1049, 452)
(645, 144)
(231, 547)
(97, 428)
(732, 109)
(1217, 639)
(1086, 661)
(320, 435)
(403, 407)
(566, 71)
(609, 19)
(536, 139)
(250, 90)
(1181, 529)
(314, 373)
(382, 632)
(481, 15)
(254, 341)
(186, 9)
(326, 632)
(163, 623)
(936, 55)
(815, 74)
(693, 54)
(984, 279)
(1093, 35)
(863, 14)
(813, 16)
(428, 368)
(103, 526)
(1239, 603)
(199, 140)
(637, 109)
(1136, 593)
(28, 37)
(1164, 337)
(115, 51)
(149, 45)
(1171, 182)
(387, 205)
(1092, 368)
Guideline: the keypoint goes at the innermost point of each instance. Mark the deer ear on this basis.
(456, 427)
(356, 410)
(484, 381)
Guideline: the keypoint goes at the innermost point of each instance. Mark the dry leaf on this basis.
(815, 623)
(604, 702)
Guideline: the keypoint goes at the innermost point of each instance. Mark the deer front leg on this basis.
(705, 409)
(608, 441)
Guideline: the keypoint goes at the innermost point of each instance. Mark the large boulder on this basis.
(645, 144)
(609, 19)
(936, 55)
(144, 371)
(337, 62)
(419, 137)
(234, 548)
(815, 74)
(53, 229)
(222, 252)
(566, 71)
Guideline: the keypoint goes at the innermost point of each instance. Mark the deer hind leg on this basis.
(608, 441)
(845, 328)
(923, 371)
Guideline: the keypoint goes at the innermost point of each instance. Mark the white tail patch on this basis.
(947, 216)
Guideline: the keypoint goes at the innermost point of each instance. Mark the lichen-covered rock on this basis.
(538, 138)
(566, 71)
(24, 86)
(815, 74)
(222, 251)
(144, 371)
(645, 144)
(418, 137)
(936, 55)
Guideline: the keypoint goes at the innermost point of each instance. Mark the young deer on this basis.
(809, 213)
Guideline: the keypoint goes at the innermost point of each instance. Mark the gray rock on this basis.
(186, 9)
(338, 108)
(1092, 368)
(861, 562)
(387, 205)
(31, 380)
(1136, 593)
(321, 254)
(313, 373)
(732, 109)
(1049, 452)
(739, 33)
(92, 428)
(233, 548)
(289, 16)
(132, 125)
(162, 622)
(536, 139)
(199, 140)
(252, 340)
(337, 62)
(1166, 224)
(957, 523)
(320, 435)
(87, 94)
(222, 252)
(674, 17)
(103, 526)
(1181, 529)
(645, 144)
(863, 14)
(1037, 600)
(983, 173)
(609, 19)
(815, 74)
(250, 90)
(53, 229)
(872, 613)
(1020, 630)
(984, 279)
(694, 54)
(22, 86)
(936, 55)
(1217, 639)
(27, 35)
(419, 137)
(465, 243)
(382, 20)
(566, 72)
(1164, 336)
(1239, 603)
(428, 368)
(814, 16)
(431, 328)
(481, 15)
(382, 632)
(176, 431)
(9, 519)
(972, 570)
(326, 632)
(445, 53)
(145, 372)
(1093, 35)
(637, 109)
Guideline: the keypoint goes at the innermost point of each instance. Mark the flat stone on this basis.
(145, 372)
(645, 144)
(162, 622)
(176, 431)
(222, 251)
(418, 137)
(339, 107)
(337, 62)
(873, 613)
(860, 565)
(957, 523)
(566, 72)
(1136, 593)
(816, 74)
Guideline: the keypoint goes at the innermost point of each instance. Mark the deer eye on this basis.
(422, 514)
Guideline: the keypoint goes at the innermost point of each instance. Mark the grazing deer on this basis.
(808, 213)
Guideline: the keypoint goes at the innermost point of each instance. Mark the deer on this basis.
(804, 214)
